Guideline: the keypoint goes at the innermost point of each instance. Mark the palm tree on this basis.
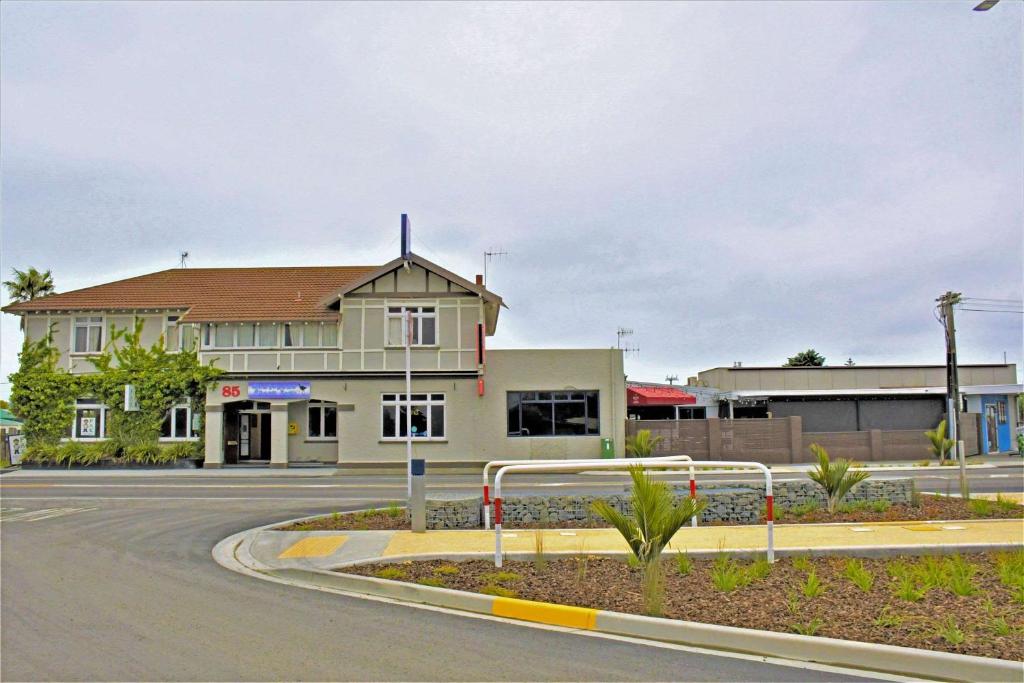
(940, 445)
(655, 518)
(643, 444)
(27, 285)
(834, 477)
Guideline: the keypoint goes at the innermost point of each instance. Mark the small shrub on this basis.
(394, 510)
(915, 498)
(950, 632)
(726, 575)
(879, 506)
(802, 563)
(1010, 566)
(858, 575)
(793, 602)
(143, 453)
(808, 629)
(70, 453)
(367, 514)
(930, 572)
(804, 508)
(897, 569)
(540, 562)
(683, 563)
(432, 581)
(499, 591)
(392, 573)
(1005, 504)
(999, 626)
(888, 620)
(500, 577)
(182, 451)
(980, 507)
(582, 566)
(959, 574)
(812, 586)
(907, 589)
(446, 570)
(759, 568)
(632, 562)
(40, 452)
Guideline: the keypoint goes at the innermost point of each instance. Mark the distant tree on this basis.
(4, 405)
(807, 358)
(28, 284)
(849, 363)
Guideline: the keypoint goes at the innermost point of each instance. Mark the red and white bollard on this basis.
(497, 532)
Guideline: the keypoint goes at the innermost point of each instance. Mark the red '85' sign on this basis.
(231, 391)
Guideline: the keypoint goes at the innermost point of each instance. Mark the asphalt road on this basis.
(115, 581)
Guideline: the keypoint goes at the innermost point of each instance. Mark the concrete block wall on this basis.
(736, 504)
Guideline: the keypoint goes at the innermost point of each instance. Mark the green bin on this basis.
(607, 449)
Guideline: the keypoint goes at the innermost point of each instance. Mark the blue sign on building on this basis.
(279, 390)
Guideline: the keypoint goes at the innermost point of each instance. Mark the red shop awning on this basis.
(658, 396)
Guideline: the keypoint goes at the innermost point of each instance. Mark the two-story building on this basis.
(315, 365)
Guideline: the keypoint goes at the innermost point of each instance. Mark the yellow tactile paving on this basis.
(714, 537)
(313, 546)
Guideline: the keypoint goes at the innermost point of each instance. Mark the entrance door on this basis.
(244, 436)
(991, 428)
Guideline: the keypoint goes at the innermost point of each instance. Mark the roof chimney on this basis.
(479, 280)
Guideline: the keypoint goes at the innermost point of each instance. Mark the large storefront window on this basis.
(323, 421)
(428, 418)
(553, 413)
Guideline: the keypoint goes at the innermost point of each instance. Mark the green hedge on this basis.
(78, 453)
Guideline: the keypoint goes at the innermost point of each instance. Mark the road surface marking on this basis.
(999, 476)
(314, 546)
(45, 513)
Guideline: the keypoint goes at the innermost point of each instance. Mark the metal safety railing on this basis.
(581, 461)
(646, 463)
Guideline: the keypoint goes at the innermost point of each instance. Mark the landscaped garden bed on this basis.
(390, 518)
(971, 604)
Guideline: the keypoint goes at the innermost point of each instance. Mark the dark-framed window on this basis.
(428, 416)
(322, 423)
(553, 413)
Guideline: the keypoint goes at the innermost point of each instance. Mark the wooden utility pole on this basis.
(946, 303)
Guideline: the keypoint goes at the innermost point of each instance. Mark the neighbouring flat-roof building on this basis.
(866, 397)
(314, 363)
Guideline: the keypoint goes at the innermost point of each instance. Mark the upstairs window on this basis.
(424, 325)
(88, 334)
(553, 413)
(240, 336)
(311, 335)
(179, 336)
(322, 421)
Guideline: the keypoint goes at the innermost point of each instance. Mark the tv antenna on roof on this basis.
(488, 255)
(620, 333)
(672, 379)
(183, 263)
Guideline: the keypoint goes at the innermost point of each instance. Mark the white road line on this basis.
(999, 476)
(45, 513)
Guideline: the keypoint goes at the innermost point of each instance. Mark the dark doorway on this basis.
(246, 432)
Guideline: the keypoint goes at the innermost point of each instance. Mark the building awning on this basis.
(658, 396)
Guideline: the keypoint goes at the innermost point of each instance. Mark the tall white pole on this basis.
(407, 324)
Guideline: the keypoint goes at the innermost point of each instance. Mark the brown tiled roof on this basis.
(212, 294)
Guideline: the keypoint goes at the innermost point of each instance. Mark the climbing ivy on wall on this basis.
(44, 395)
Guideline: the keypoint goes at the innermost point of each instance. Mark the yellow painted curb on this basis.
(545, 613)
(314, 546)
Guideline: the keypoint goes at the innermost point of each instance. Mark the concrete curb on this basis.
(829, 651)
(234, 553)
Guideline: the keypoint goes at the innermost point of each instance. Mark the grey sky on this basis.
(734, 181)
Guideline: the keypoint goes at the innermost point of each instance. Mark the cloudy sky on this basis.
(734, 181)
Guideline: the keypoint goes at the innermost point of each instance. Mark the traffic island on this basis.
(964, 604)
(582, 560)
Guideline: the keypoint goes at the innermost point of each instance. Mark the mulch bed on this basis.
(930, 508)
(369, 520)
(774, 603)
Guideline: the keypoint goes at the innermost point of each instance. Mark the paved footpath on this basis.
(323, 549)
